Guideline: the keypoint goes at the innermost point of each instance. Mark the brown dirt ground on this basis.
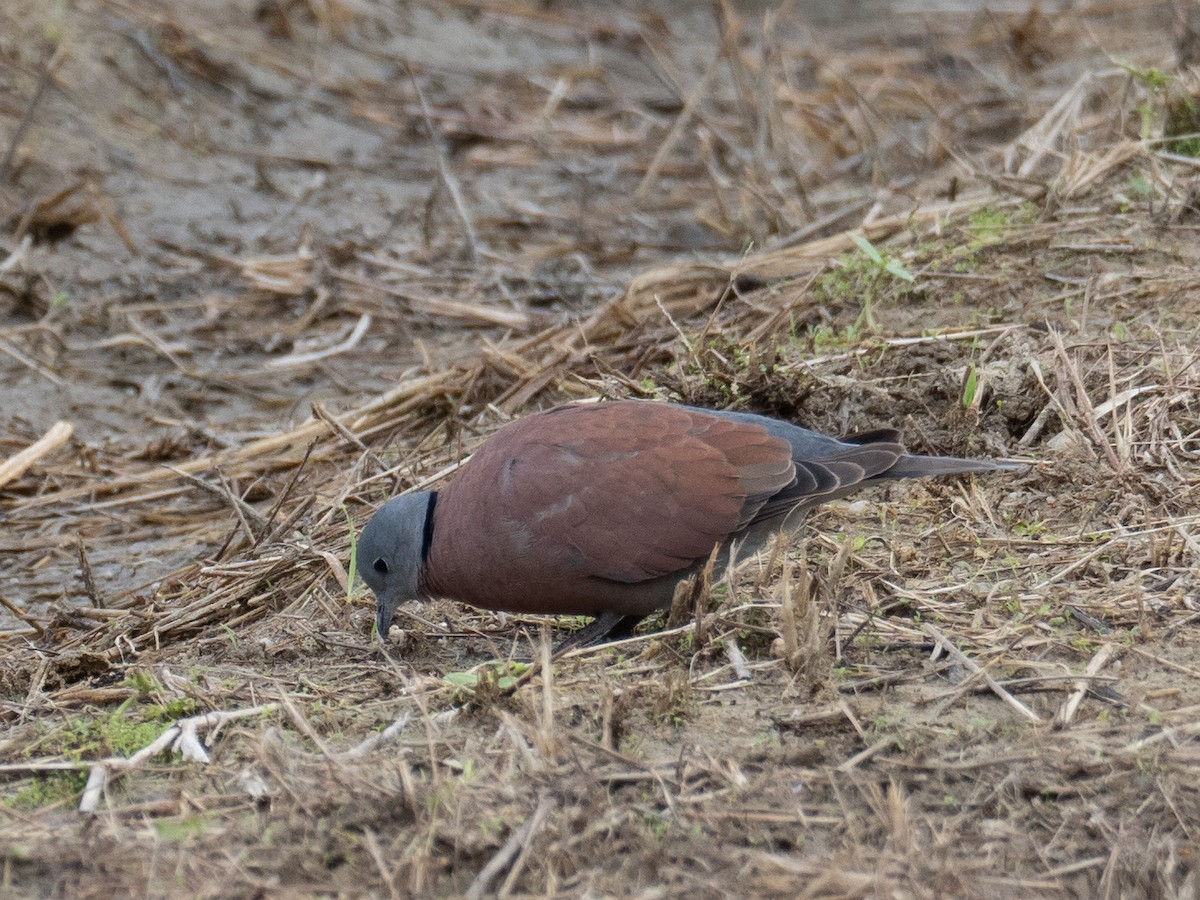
(275, 261)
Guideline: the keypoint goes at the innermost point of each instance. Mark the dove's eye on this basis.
(381, 566)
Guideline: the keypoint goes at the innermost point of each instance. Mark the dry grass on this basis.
(963, 688)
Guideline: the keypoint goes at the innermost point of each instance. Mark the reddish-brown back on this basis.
(561, 510)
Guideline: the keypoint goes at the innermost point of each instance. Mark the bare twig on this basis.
(16, 466)
(22, 615)
(737, 659)
(447, 176)
(516, 842)
(969, 663)
(1066, 713)
(388, 734)
(302, 359)
(47, 71)
(181, 737)
(85, 571)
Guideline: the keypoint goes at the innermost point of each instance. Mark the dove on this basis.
(602, 509)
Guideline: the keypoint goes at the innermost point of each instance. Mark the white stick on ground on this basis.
(737, 659)
(182, 736)
(1066, 713)
(991, 682)
(14, 468)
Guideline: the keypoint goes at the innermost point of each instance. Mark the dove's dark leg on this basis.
(602, 629)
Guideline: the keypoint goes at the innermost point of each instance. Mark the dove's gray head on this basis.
(392, 551)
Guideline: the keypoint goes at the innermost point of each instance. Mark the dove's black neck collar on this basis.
(427, 530)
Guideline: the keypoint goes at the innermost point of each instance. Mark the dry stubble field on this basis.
(271, 262)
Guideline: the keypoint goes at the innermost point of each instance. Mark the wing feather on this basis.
(625, 491)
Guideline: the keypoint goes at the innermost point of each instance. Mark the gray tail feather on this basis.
(912, 466)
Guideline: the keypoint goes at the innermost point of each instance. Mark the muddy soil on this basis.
(275, 261)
